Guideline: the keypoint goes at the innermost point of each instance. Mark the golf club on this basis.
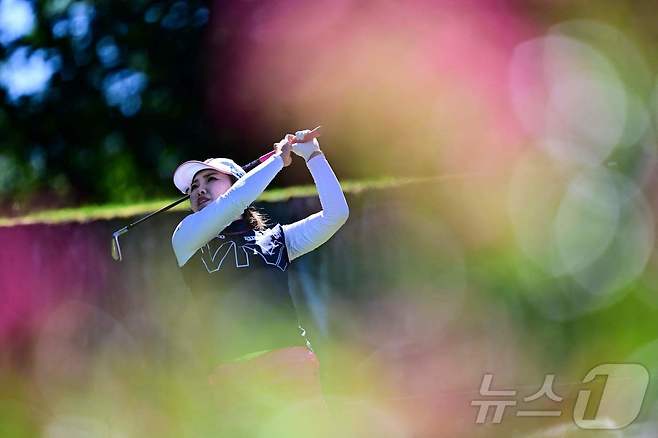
(116, 247)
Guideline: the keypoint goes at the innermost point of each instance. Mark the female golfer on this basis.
(237, 263)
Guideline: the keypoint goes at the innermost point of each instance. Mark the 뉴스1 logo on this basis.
(618, 406)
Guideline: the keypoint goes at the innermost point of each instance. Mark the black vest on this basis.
(240, 279)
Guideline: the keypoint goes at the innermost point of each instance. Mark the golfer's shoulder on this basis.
(181, 238)
(178, 230)
(177, 242)
(274, 231)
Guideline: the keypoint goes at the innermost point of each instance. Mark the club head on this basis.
(116, 248)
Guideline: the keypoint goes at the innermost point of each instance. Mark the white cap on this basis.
(184, 174)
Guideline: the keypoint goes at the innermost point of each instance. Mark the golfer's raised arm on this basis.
(309, 233)
(199, 228)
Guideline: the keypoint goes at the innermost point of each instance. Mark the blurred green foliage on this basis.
(121, 107)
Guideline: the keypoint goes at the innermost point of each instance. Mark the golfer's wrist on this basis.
(315, 153)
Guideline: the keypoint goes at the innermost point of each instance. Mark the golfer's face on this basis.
(207, 186)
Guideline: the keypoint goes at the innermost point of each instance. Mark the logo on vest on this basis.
(216, 253)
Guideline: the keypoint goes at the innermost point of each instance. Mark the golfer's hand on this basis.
(284, 148)
(305, 149)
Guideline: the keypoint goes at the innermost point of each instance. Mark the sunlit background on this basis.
(517, 236)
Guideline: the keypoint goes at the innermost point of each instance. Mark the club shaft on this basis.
(166, 207)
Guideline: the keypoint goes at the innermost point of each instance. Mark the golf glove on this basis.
(305, 150)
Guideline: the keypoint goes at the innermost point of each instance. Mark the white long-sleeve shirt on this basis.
(197, 229)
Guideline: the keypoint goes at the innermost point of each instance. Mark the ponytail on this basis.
(257, 221)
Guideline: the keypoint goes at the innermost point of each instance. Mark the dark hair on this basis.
(256, 220)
